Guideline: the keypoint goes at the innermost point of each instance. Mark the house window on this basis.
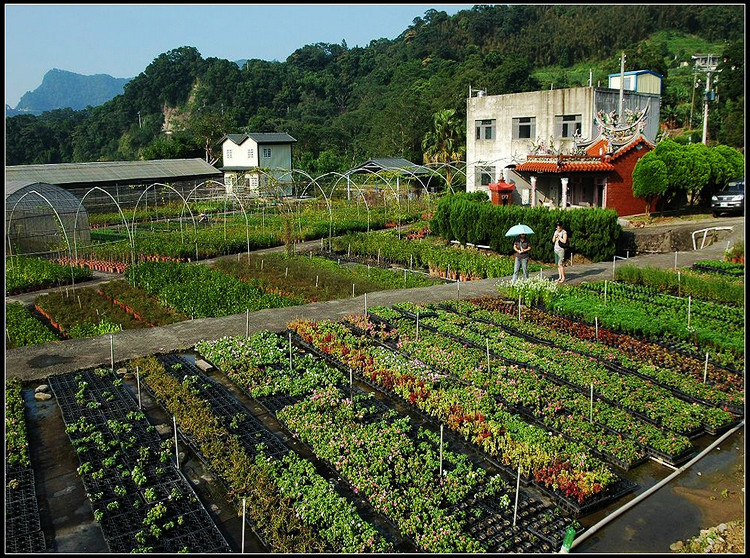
(485, 129)
(229, 153)
(484, 176)
(267, 152)
(524, 128)
(250, 153)
(567, 125)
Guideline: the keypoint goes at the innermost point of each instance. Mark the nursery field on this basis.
(492, 424)
(153, 294)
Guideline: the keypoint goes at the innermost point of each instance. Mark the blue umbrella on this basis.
(515, 230)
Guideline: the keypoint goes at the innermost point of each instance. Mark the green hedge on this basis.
(593, 232)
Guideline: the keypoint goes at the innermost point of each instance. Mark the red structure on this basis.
(502, 193)
(616, 166)
(620, 182)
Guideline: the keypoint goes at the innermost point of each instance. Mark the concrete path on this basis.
(39, 361)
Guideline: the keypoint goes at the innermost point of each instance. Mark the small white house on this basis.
(255, 162)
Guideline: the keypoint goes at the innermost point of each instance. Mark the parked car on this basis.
(731, 199)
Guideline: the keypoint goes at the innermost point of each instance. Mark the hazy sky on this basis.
(122, 39)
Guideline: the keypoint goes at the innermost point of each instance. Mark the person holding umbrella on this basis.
(521, 247)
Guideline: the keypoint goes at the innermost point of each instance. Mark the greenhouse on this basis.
(40, 218)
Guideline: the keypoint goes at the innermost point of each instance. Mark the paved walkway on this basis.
(39, 361)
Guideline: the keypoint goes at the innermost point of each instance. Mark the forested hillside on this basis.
(345, 105)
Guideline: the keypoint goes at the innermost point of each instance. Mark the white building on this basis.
(504, 131)
(255, 162)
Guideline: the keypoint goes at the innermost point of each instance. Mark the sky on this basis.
(121, 40)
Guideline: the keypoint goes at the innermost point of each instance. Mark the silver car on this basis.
(731, 199)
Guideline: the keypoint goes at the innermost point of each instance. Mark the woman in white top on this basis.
(561, 235)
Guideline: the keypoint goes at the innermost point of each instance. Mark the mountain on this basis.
(63, 89)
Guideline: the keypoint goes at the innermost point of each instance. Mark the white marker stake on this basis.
(365, 304)
(290, 350)
(417, 326)
(488, 354)
(244, 501)
(138, 382)
(247, 323)
(596, 328)
(605, 293)
(518, 487)
(705, 370)
(176, 449)
(690, 299)
(441, 451)
(591, 406)
(519, 308)
(112, 349)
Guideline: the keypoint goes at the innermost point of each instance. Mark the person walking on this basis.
(521, 247)
(560, 242)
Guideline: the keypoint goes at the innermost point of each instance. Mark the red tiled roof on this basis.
(567, 166)
(632, 145)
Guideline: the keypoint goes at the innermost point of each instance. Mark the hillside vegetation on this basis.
(345, 105)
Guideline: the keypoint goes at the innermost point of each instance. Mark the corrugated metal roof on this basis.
(271, 137)
(111, 172)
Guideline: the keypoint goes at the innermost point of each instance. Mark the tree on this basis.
(445, 142)
(650, 179)
(674, 157)
(699, 170)
(208, 128)
(735, 162)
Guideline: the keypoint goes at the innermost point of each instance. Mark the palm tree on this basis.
(445, 142)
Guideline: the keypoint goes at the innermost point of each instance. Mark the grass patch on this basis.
(316, 278)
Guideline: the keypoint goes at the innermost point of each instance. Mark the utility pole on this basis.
(705, 106)
(692, 101)
(706, 63)
(622, 86)
(139, 120)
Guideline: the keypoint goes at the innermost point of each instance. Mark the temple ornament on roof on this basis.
(621, 131)
(542, 147)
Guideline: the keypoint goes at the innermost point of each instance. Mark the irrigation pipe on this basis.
(594, 528)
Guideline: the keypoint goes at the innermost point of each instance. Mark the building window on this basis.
(485, 129)
(524, 128)
(267, 152)
(567, 125)
(484, 176)
(250, 153)
(229, 153)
